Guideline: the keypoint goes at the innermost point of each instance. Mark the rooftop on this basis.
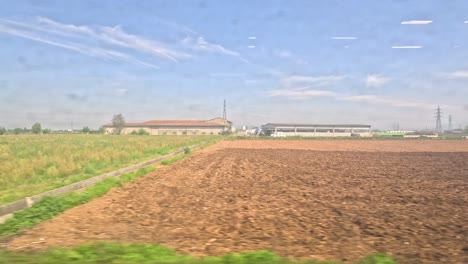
(272, 125)
(174, 123)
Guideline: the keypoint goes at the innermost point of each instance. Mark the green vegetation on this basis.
(52, 206)
(118, 121)
(145, 253)
(36, 128)
(85, 130)
(32, 164)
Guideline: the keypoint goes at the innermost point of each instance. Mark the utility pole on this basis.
(438, 116)
(224, 111)
(450, 123)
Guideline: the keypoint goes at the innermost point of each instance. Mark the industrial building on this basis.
(316, 130)
(215, 126)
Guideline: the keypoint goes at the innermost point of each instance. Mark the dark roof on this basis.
(273, 125)
(172, 123)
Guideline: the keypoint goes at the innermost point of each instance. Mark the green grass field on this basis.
(31, 164)
(147, 253)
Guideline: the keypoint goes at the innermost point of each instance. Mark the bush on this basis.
(142, 132)
(187, 150)
(2, 131)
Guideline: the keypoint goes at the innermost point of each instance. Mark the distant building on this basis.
(215, 126)
(316, 130)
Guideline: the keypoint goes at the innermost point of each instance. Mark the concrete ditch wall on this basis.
(7, 210)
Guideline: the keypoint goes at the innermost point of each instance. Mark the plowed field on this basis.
(315, 199)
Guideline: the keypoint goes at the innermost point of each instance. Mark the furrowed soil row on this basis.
(339, 205)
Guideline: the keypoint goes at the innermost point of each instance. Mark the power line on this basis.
(224, 110)
(438, 117)
(450, 123)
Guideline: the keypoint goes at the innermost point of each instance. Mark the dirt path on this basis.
(299, 203)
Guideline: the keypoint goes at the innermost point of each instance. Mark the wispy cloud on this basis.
(201, 44)
(301, 93)
(407, 47)
(286, 54)
(300, 80)
(389, 101)
(90, 40)
(115, 36)
(252, 37)
(121, 91)
(459, 75)
(416, 22)
(375, 80)
(306, 93)
(79, 48)
(344, 38)
(251, 47)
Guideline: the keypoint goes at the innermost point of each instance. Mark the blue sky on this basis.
(322, 61)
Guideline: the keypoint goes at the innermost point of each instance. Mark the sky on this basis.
(387, 63)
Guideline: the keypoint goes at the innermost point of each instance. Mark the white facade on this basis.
(305, 130)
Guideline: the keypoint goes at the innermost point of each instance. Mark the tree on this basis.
(17, 131)
(46, 131)
(36, 128)
(118, 122)
(85, 130)
(2, 131)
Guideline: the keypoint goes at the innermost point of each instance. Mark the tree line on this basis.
(118, 123)
(36, 128)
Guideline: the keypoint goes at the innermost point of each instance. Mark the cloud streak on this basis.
(459, 75)
(285, 54)
(300, 80)
(301, 93)
(82, 49)
(407, 47)
(416, 22)
(344, 38)
(120, 45)
(306, 93)
(375, 80)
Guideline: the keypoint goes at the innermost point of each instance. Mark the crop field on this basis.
(324, 200)
(31, 164)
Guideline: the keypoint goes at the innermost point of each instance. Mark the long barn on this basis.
(215, 126)
(316, 130)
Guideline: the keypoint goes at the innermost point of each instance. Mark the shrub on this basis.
(142, 132)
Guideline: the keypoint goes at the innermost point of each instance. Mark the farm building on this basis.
(213, 126)
(316, 130)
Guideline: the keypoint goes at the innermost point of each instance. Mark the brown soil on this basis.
(339, 205)
(353, 145)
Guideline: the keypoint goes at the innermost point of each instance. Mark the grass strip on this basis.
(104, 252)
(51, 206)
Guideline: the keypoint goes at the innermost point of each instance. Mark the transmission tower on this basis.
(224, 110)
(438, 117)
(450, 123)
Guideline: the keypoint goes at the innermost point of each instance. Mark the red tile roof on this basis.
(173, 123)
